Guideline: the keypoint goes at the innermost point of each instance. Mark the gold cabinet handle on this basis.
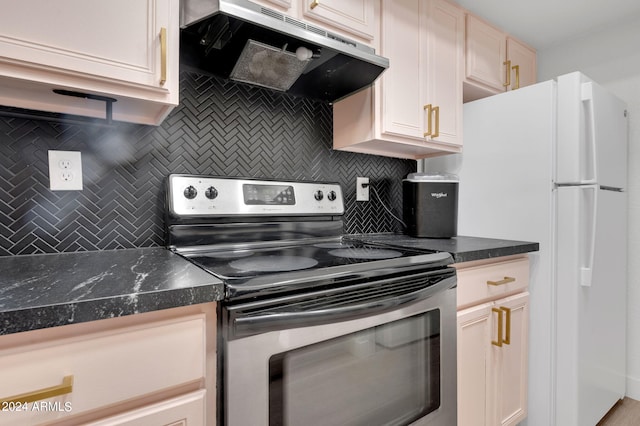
(504, 281)
(428, 109)
(499, 341)
(163, 56)
(508, 73)
(517, 69)
(507, 327)
(314, 3)
(436, 133)
(62, 389)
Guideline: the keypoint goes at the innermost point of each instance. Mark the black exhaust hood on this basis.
(246, 42)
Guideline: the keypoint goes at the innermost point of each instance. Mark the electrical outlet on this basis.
(362, 189)
(65, 170)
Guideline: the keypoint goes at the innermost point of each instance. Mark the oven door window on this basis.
(385, 375)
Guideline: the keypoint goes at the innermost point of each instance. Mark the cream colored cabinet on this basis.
(120, 50)
(134, 370)
(186, 410)
(354, 19)
(359, 18)
(493, 312)
(414, 110)
(494, 61)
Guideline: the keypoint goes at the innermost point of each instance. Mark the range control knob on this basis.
(211, 193)
(332, 195)
(190, 192)
(318, 195)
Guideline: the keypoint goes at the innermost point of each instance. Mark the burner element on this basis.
(365, 253)
(273, 263)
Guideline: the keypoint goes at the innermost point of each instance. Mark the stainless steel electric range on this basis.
(315, 324)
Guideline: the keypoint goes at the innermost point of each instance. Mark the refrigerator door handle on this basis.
(588, 223)
(591, 154)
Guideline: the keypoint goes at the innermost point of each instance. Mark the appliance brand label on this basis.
(439, 194)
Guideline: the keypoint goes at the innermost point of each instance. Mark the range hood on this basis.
(243, 41)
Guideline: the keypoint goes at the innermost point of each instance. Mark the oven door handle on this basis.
(271, 321)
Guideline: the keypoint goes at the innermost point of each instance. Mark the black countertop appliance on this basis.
(430, 205)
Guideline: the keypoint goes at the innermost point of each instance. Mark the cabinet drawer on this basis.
(477, 284)
(186, 410)
(108, 368)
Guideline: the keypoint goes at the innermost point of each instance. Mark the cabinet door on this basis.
(425, 71)
(402, 85)
(443, 70)
(355, 17)
(524, 58)
(117, 39)
(511, 361)
(492, 380)
(474, 326)
(111, 49)
(485, 54)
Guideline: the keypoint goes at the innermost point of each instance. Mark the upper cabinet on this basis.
(123, 50)
(414, 110)
(494, 61)
(355, 19)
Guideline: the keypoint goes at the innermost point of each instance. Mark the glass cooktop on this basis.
(247, 263)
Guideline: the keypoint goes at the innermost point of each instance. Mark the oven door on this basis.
(376, 353)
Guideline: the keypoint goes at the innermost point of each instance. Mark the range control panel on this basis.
(191, 195)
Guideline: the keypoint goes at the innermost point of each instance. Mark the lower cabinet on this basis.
(492, 328)
(148, 369)
(185, 410)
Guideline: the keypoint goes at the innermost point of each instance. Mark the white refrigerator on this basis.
(548, 163)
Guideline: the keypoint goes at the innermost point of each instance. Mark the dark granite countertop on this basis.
(462, 248)
(49, 290)
(40, 291)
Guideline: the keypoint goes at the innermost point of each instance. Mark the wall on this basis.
(611, 57)
(220, 128)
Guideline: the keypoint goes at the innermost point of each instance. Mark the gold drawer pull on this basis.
(63, 389)
(508, 73)
(163, 56)
(436, 133)
(507, 338)
(506, 280)
(314, 3)
(431, 111)
(516, 68)
(499, 331)
(428, 109)
(507, 335)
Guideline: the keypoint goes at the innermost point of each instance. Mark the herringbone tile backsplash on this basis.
(220, 128)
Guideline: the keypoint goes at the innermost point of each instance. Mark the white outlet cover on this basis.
(65, 170)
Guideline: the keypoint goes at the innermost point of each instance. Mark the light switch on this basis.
(362, 189)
